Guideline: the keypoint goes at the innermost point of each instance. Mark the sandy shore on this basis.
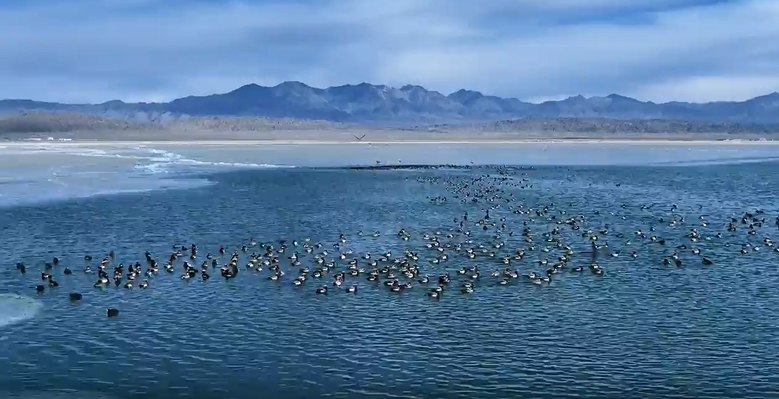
(367, 138)
(588, 141)
(364, 137)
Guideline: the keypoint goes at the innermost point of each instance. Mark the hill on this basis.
(408, 105)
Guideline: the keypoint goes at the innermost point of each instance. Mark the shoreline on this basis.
(391, 141)
(177, 137)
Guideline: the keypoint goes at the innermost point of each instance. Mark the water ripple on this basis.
(644, 329)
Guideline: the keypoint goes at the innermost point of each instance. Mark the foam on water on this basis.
(17, 308)
(162, 161)
(43, 173)
(72, 150)
(149, 159)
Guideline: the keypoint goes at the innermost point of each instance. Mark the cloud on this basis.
(92, 50)
(706, 88)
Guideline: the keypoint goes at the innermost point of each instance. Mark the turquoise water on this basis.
(642, 329)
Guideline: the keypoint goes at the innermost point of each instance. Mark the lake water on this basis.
(642, 329)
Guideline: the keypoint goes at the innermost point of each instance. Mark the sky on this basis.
(158, 50)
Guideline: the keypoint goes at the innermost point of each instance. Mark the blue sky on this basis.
(155, 50)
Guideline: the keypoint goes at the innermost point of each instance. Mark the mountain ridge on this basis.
(408, 105)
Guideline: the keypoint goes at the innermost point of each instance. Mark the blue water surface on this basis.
(643, 329)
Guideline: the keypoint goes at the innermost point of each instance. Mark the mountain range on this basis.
(408, 105)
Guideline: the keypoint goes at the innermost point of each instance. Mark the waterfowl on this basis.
(461, 241)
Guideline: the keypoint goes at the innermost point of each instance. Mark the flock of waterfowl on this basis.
(495, 239)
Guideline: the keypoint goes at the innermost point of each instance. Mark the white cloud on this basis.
(155, 50)
(707, 88)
